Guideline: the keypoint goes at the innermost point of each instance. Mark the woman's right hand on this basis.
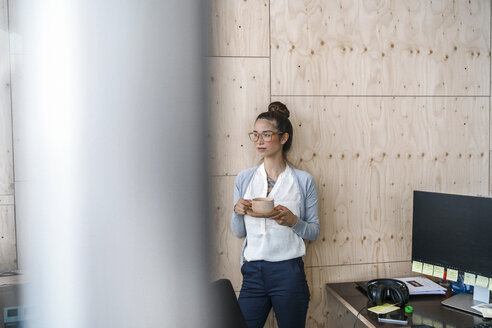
(242, 206)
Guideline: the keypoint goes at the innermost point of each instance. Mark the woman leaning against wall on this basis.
(272, 265)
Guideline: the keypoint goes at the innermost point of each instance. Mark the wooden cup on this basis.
(262, 205)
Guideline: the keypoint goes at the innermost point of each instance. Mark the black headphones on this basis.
(378, 290)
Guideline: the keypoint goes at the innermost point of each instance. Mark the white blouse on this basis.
(266, 239)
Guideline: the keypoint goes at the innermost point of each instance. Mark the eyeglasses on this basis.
(265, 135)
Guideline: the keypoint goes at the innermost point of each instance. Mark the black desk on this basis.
(345, 300)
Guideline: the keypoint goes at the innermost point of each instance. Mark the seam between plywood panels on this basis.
(353, 264)
(12, 137)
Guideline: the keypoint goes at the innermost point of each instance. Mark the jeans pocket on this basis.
(300, 264)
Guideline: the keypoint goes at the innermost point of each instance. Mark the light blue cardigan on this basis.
(307, 226)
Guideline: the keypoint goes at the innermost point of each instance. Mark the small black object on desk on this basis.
(379, 291)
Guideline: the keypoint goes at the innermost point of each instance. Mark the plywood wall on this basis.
(7, 219)
(386, 97)
(380, 47)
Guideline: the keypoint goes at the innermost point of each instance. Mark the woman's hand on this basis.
(242, 206)
(285, 217)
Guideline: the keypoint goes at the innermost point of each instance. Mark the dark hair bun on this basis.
(279, 107)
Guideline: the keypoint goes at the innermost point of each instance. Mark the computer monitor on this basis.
(454, 232)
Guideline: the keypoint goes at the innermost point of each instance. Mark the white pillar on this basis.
(115, 203)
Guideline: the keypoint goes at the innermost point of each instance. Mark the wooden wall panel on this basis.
(23, 215)
(319, 308)
(6, 157)
(8, 256)
(369, 154)
(390, 47)
(238, 28)
(226, 251)
(239, 91)
(19, 117)
(336, 315)
(7, 200)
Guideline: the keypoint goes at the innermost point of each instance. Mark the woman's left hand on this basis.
(285, 217)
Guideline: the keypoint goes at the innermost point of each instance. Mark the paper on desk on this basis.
(383, 309)
(422, 285)
(486, 309)
(487, 313)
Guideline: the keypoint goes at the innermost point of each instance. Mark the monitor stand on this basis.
(464, 302)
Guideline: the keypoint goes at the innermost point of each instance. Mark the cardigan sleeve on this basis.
(237, 221)
(308, 226)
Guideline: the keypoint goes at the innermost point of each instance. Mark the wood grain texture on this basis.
(6, 156)
(6, 199)
(23, 213)
(368, 155)
(8, 258)
(19, 118)
(338, 313)
(389, 47)
(320, 309)
(239, 91)
(226, 250)
(238, 28)
(271, 322)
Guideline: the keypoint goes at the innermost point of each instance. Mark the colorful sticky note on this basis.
(469, 279)
(452, 275)
(417, 266)
(438, 271)
(490, 283)
(428, 269)
(382, 309)
(482, 281)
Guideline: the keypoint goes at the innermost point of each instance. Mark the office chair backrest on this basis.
(228, 313)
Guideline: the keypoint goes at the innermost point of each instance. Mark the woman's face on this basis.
(272, 147)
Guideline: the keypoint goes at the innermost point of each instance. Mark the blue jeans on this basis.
(279, 284)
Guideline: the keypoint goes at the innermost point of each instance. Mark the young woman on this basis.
(272, 265)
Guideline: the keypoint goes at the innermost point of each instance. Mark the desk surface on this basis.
(427, 309)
